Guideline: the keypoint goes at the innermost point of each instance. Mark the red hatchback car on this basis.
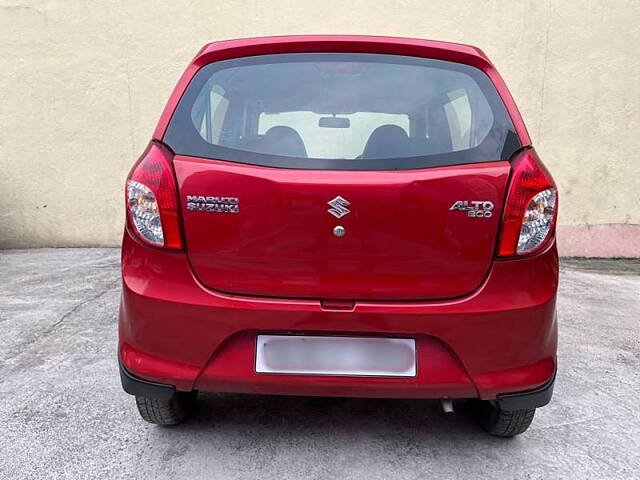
(340, 216)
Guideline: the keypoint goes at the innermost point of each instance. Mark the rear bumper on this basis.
(499, 340)
(143, 388)
(512, 401)
(538, 397)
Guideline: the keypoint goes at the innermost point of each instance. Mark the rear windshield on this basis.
(342, 111)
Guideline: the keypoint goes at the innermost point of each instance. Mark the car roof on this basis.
(351, 43)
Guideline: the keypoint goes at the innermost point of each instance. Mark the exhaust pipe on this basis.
(447, 405)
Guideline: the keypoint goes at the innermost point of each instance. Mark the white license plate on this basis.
(368, 356)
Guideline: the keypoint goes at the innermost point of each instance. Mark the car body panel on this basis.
(401, 239)
(175, 330)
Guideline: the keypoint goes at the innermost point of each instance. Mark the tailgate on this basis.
(402, 238)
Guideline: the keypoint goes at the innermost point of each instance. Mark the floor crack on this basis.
(66, 315)
(20, 348)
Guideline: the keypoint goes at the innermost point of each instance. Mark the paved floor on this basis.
(63, 414)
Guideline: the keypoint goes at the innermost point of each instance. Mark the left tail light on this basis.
(152, 200)
(531, 208)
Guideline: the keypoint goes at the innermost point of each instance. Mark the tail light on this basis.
(152, 200)
(531, 208)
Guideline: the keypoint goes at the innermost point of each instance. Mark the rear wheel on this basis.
(172, 411)
(503, 423)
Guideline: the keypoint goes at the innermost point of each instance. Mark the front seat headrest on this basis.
(281, 140)
(386, 141)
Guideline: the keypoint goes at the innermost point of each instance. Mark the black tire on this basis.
(502, 423)
(172, 411)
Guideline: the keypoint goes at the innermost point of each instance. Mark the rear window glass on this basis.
(342, 111)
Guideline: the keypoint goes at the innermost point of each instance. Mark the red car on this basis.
(340, 216)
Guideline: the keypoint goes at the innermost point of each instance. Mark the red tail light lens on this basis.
(152, 200)
(531, 207)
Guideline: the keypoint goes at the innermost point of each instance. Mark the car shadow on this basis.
(253, 436)
(284, 415)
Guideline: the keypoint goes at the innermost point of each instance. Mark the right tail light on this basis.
(531, 208)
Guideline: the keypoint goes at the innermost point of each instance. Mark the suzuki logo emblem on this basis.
(339, 205)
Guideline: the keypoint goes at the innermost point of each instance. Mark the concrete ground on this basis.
(64, 415)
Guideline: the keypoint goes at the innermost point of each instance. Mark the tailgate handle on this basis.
(337, 304)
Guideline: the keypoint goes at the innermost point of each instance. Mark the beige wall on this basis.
(83, 83)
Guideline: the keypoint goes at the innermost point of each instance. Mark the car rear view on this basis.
(340, 216)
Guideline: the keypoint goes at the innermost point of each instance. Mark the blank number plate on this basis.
(358, 356)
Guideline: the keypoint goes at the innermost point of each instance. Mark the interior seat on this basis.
(387, 141)
(278, 140)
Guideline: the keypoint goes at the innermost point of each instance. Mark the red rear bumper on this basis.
(500, 339)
